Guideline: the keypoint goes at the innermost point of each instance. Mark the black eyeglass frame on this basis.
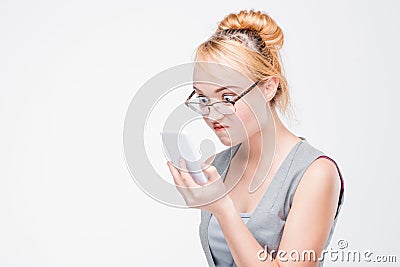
(226, 101)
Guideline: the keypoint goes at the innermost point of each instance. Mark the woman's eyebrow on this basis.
(219, 89)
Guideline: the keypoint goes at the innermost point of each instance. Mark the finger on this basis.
(185, 175)
(175, 174)
(211, 172)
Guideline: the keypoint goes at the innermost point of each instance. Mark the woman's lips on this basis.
(219, 127)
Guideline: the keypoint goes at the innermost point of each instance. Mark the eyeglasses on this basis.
(226, 107)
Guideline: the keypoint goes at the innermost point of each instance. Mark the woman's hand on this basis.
(210, 196)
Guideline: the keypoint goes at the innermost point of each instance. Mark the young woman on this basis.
(289, 217)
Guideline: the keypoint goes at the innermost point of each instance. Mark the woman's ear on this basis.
(270, 87)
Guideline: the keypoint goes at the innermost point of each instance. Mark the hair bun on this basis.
(258, 21)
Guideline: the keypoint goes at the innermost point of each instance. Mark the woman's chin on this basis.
(228, 141)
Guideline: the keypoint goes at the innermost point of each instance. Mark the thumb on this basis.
(211, 172)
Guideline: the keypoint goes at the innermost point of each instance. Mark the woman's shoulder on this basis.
(322, 172)
(320, 160)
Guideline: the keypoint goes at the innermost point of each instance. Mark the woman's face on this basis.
(215, 82)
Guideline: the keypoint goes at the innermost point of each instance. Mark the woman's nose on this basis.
(214, 115)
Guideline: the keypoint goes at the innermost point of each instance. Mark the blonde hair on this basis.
(253, 40)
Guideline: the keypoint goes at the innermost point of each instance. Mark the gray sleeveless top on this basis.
(267, 221)
(218, 246)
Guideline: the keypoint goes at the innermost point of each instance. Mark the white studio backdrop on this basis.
(69, 70)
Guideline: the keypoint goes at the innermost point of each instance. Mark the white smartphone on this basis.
(178, 145)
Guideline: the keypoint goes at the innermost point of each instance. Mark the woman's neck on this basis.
(260, 147)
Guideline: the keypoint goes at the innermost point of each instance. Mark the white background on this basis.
(69, 70)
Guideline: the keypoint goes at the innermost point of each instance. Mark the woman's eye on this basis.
(228, 97)
(202, 99)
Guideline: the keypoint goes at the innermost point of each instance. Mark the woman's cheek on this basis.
(208, 122)
(249, 124)
(247, 119)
